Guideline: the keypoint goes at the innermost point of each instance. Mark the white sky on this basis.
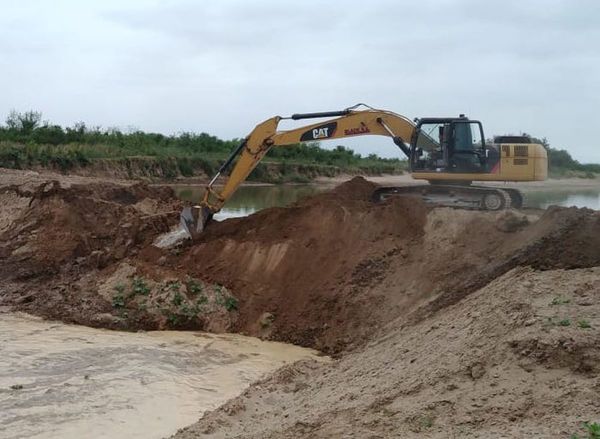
(223, 66)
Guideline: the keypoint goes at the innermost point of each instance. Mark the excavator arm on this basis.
(346, 123)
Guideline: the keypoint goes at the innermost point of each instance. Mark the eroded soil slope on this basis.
(518, 358)
(330, 270)
(54, 235)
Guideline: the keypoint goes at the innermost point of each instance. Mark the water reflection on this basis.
(249, 199)
(589, 198)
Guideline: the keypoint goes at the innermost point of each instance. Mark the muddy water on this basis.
(67, 381)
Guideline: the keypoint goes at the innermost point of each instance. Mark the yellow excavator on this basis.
(448, 152)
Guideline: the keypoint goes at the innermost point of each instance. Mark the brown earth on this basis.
(57, 234)
(515, 359)
(438, 317)
(330, 270)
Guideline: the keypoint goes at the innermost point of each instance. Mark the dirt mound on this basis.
(513, 359)
(307, 264)
(332, 269)
(54, 236)
(62, 225)
(328, 272)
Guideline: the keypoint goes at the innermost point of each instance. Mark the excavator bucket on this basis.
(194, 219)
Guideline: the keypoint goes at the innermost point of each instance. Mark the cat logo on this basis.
(324, 131)
(320, 133)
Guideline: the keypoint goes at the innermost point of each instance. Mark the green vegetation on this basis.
(139, 286)
(118, 301)
(182, 302)
(559, 301)
(194, 287)
(231, 304)
(561, 164)
(564, 322)
(584, 324)
(592, 431)
(26, 141)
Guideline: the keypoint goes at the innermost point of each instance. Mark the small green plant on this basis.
(177, 299)
(120, 289)
(559, 301)
(200, 302)
(592, 431)
(187, 311)
(564, 322)
(173, 319)
(118, 301)
(426, 422)
(174, 286)
(231, 303)
(139, 286)
(584, 324)
(194, 287)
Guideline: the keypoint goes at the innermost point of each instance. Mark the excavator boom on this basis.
(455, 159)
(348, 123)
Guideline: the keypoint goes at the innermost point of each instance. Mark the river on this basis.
(69, 381)
(249, 199)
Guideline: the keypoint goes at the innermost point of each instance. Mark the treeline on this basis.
(561, 164)
(27, 141)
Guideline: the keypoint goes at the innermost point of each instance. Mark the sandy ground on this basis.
(514, 359)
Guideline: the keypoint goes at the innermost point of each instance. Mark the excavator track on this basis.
(461, 197)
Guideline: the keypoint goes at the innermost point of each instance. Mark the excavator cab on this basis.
(448, 145)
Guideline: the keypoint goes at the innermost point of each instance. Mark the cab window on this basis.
(467, 137)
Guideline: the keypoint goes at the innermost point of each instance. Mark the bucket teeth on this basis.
(194, 219)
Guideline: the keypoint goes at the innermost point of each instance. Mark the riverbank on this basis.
(440, 320)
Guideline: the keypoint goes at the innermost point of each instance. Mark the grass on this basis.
(139, 286)
(231, 304)
(194, 287)
(185, 301)
(584, 324)
(177, 299)
(592, 431)
(559, 301)
(173, 159)
(118, 301)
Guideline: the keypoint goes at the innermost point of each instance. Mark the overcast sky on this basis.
(223, 66)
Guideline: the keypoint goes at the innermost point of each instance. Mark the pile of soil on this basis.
(55, 235)
(517, 358)
(311, 269)
(331, 270)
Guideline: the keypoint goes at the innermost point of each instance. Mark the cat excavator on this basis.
(447, 152)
